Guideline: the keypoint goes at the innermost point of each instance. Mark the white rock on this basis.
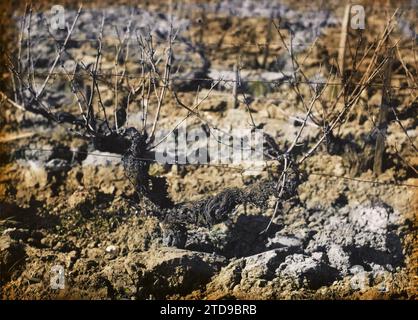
(112, 251)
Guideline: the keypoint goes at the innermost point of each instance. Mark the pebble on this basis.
(112, 251)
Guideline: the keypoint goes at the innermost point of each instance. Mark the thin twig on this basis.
(51, 70)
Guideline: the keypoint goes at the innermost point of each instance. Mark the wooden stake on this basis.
(341, 53)
(235, 87)
(343, 41)
(268, 40)
(382, 120)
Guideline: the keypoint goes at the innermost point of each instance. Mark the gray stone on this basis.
(263, 265)
(307, 271)
(279, 241)
(338, 258)
(366, 234)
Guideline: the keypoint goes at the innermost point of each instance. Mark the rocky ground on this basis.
(62, 202)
